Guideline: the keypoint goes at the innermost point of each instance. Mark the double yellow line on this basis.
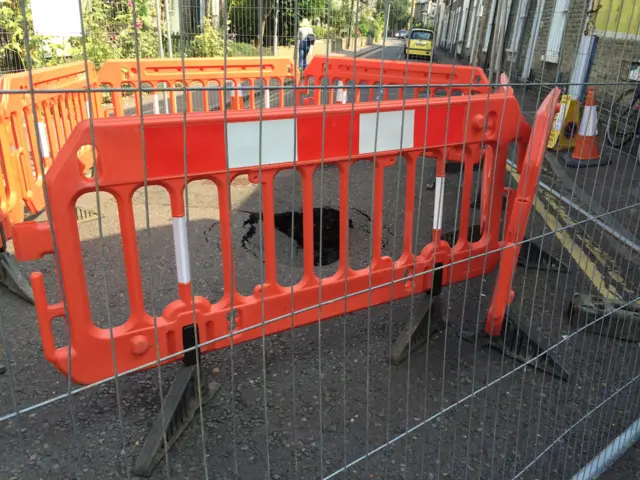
(577, 252)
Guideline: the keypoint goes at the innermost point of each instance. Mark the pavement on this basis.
(324, 399)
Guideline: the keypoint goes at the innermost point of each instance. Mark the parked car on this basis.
(419, 43)
(402, 34)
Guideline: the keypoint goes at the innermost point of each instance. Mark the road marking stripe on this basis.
(578, 254)
(595, 251)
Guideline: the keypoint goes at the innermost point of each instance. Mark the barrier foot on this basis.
(423, 325)
(532, 256)
(520, 343)
(178, 409)
(419, 331)
(602, 316)
(12, 278)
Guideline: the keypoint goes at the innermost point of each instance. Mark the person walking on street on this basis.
(306, 39)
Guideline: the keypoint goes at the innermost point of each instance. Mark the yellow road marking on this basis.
(595, 251)
(577, 253)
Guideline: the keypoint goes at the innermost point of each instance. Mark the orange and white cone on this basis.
(586, 152)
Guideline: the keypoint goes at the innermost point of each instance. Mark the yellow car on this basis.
(419, 43)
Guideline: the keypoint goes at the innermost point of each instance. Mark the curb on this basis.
(370, 51)
(360, 53)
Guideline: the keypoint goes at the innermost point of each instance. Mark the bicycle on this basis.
(623, 124)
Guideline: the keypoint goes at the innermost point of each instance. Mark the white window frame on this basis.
(456, 28)
(463, 23)
(471, 23)
(487, 34)
(516, 33)
(533, 40)
(476, 33)
(556, 32)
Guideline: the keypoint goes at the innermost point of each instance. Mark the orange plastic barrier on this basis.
(479, 130)
(57, 113)
(200, 72)
(443, 80)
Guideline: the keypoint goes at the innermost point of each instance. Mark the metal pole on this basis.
(386, 21)
(601, 462)
(159, 25)
(349, 29)
(275, 31)
(167, 14)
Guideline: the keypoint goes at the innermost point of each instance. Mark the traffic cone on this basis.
(586, 152)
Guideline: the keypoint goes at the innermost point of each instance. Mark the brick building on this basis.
(571, 42)
(424, 11)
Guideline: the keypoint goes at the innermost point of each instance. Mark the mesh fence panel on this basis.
(415, 257)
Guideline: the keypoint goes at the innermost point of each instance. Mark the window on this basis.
(558, 24)
(421, 35)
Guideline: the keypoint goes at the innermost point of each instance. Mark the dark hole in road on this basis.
(330, 234)
(452, 168)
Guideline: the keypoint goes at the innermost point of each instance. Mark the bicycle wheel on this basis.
(622, 119)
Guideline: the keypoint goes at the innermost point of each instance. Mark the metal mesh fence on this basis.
(414, 258)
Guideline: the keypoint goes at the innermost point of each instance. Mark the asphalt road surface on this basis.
(323, 399)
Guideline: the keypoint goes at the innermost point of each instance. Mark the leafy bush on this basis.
(109, 30)
(12, 39)
(320, 31)
(242, 50)
(207, 44)
(372, 27)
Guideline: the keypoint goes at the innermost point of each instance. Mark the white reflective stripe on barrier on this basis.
(156, 104)
(181, 245)
(341, 93)
(589, 123)
(246, 149)
(44, 139)
(249, 145)
(438, 204)
(391, 133)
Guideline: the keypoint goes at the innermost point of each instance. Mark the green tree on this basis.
(399, 12)
(12, 35)
(253, 19)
